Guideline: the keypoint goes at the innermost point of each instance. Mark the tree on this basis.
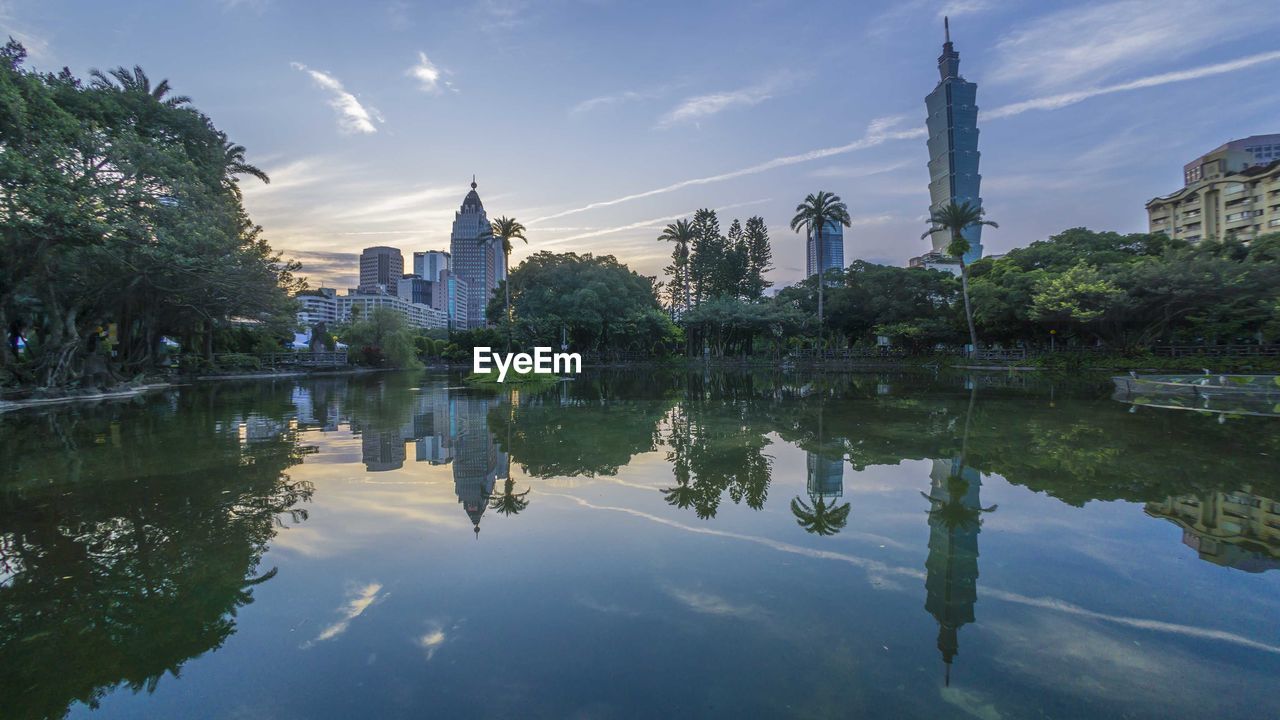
(136, 80)
(505, 229)
(383, 337)
(680, 232)
(509, 502)
(954, 219)
(813, 215)
(759, 257)
(708, 252)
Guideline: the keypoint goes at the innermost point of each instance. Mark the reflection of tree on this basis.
(823, 518)
(509, 502)
(713, 454)
(137, 558)
(825, 484)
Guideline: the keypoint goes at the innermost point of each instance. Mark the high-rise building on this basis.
(380, 270)
(832, 250)
(1233, 190)
(953, 146)
(428, 265)
(478, 264)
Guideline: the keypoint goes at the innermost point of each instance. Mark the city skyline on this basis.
(1088, 111)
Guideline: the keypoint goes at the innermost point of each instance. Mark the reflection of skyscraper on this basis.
(826, 475)
(381, 450)
(952, 581)
(1236, 529)
(477, 462)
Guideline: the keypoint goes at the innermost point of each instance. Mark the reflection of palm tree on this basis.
(509, 502)
(682, 495)
(822, 518)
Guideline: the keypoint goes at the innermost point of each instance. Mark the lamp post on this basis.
(1052, 335)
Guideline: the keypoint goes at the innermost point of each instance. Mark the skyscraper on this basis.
(832, 250)
(953, 145)
(380, 270)
(428, 265)
(479, 265)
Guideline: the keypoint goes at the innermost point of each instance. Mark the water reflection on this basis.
(1236, 529)
(131, 535)
(127, 546)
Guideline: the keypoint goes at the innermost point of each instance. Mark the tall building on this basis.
(478, 264)
(1234, 529)
(380, 270)
(428, 265)
(953, 145)
(1233, 190)
(832, 250)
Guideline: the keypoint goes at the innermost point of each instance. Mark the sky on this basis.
(597, 122)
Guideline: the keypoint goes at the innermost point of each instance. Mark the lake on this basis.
(636, 544)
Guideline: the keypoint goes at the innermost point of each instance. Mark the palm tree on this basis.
(954, 219)
(681, 233)
(814, 214)
(505, 229)
(235, 163)
(136, 80)
(509, 502)
(823, 518)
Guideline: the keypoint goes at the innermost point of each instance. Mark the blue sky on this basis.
(597, 122)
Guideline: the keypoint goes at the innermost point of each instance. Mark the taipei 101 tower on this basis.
(953, 145)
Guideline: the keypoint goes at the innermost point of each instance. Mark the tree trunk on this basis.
(817, 247)
(968, 313)
(506, 292)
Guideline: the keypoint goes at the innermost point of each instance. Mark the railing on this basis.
(291, 359)
(854, 353)
(1217, 350)
(1001, 354)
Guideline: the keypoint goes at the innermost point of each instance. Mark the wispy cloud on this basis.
(651, 223)
(603, 101)
(859, 171)
(1094, 43)
(36, 45)
(878, 132)
(430, 78)
(353, 117)
(1061, 100)
(700, 107)
(883, 130)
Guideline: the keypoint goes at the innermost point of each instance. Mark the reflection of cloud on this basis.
(710, 604)
(360, 600)
(432, 640)
(875, 567)
(971, 703)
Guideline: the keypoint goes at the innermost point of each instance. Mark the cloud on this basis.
(710, 604)
(884, 129)
(651, 223)
(1092, 43)
(359, 600)
(704, 106)
(352, 116)
(432, 640)
(36, 46)
(427, 75)
(859, 171)
(956, 8)
(596, 103)
(877, 133)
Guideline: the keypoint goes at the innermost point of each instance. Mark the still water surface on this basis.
(639, 545)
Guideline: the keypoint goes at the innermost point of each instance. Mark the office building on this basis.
(832, 250)
(416, 315)
(1231, 191)
(317, 308)
(953, 147)
(479, 265)
(416, 289)
(380, 270)
(428, 265)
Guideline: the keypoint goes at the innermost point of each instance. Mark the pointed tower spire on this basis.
(473, 181)
(949, 60)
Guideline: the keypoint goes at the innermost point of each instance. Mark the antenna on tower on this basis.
(946, 28)
(473, 181)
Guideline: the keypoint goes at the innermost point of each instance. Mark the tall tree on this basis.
(813, 215)
(505, 229)
(953, 219)
(136, 80)
(706, 253)
(680, 232)
(759, 257)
